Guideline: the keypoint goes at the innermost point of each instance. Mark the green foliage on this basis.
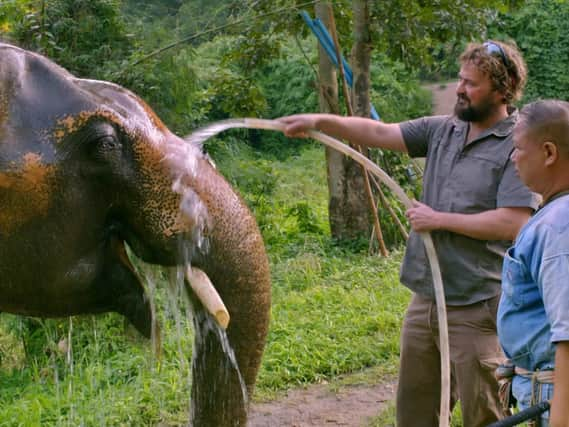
(305, 218)
(396, 92)
(289, 87)
(409, 30)
(541, 30)
(193, 86)
(330, 313)
(234, 95)
(170, 85)
(84, 36)
(406, 30)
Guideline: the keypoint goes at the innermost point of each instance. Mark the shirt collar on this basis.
(552, 198)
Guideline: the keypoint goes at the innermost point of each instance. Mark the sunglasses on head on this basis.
(494, 48)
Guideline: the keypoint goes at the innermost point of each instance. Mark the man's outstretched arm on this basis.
(357, 130)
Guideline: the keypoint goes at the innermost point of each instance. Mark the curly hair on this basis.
(504, 65)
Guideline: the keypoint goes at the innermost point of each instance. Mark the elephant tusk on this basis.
(208, 296)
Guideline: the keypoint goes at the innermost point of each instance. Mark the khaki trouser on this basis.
(474, 353)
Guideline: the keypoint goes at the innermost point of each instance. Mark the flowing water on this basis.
(199, 136)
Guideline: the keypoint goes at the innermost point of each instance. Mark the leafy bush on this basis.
(87, 37)
(541, 30)
(396, 93)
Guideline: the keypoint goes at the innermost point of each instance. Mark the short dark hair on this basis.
(546, 120)
(503, 63)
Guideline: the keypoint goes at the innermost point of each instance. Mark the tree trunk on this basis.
(348, 206)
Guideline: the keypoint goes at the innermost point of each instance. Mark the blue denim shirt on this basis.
(534, 308)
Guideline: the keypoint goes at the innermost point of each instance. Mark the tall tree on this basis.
(86, 37)
(348, 209)
(328, 101)
(361, 104)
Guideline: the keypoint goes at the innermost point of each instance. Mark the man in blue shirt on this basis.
(533, 316)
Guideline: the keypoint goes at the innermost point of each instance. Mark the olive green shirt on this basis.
(462, 178)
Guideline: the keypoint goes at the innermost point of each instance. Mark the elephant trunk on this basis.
(237, 265)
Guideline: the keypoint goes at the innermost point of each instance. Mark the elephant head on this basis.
(85, 167)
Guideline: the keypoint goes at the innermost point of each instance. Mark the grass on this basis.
(344, 318)
(387, 417)
(335, 311)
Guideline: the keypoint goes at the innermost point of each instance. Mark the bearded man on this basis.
(473, 203)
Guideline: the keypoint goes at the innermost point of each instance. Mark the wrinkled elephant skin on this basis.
(86, 166)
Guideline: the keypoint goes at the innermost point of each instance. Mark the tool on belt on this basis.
(527, 414)
(505, 374)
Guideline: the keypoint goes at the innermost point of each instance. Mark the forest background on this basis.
(337, 304)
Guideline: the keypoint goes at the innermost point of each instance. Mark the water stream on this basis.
(208, 334)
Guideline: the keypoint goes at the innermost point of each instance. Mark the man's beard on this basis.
(469, 113)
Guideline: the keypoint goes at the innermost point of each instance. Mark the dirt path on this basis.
(320, 406)
(444, 97)
(354, 406)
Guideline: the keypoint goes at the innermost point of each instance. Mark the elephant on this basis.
(86, 167)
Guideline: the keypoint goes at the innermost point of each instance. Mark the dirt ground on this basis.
(444, 97)
(319, 406)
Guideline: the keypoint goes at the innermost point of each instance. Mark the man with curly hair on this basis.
(473, 203)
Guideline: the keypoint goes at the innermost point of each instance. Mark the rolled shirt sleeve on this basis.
(418, 132)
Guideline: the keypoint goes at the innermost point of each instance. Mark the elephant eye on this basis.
(105, 149)
(108, 143)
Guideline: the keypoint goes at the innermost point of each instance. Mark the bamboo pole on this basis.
(389, 208)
